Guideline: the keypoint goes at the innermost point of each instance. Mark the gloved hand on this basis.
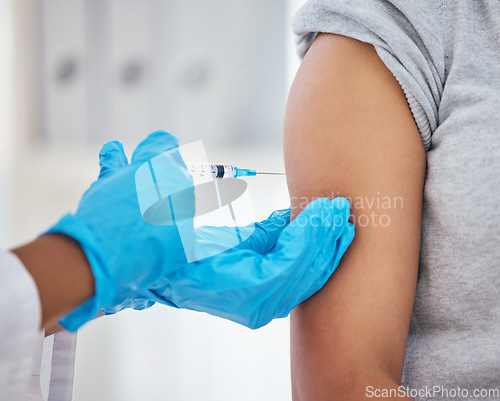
(136, 264)
(260, 237)
(256, 285)
(125, 253)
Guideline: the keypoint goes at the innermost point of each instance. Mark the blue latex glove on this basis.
(260, 238)
(136, 264)
(256, 285)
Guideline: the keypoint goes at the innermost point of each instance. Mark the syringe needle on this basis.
(260, 172)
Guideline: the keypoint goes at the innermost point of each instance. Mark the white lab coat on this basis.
(31, 367)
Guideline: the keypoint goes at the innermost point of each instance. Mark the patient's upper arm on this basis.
(349, 132)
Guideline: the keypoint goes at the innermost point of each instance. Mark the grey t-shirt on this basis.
(446, 56)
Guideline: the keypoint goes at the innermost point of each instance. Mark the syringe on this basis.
(219, 171)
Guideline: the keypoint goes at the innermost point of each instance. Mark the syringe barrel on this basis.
(215, 171)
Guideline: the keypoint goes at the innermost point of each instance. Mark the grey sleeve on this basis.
(401, 37)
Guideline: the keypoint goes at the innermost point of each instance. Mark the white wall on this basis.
(7, 113)
(121, 67)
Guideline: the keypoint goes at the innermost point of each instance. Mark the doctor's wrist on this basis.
(61, 272)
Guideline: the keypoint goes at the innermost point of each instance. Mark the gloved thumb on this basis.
(329, 214)
(111, 158)
(315, 229)
(331, 247)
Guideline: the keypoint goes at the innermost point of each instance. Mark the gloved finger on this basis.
(335, 255)
(341, 214)
(258, 237)
(315, 232)
(264, 235)
(156, 143)
(317, 222)
(111, 157)
(331, 234)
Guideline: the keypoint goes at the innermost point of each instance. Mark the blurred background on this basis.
(77, 73)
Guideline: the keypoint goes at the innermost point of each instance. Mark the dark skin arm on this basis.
(349, 132)
(61, 273)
